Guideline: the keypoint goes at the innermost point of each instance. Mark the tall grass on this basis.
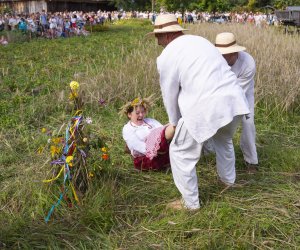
(277, 58)
(125, 209)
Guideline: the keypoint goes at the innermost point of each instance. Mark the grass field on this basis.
(125, 209)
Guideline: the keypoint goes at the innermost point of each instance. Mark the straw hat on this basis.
(226, 43)
(166, 23)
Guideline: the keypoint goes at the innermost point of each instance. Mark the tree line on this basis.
(203, 5)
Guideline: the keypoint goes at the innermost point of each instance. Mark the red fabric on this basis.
(160, 162)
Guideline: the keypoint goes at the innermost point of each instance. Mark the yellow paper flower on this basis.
(104, 149)
(69, 160)
(74, 85)
(54, 150)
(44, 130)
(73, 95)
(56, 140)
(135, 102)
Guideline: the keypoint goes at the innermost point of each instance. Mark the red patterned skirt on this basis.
(157, 156)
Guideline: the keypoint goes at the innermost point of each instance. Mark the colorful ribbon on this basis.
(69, 149)
(56, 177)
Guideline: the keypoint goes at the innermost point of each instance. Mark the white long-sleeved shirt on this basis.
(135, 135)
(198, 85)
(244, 69)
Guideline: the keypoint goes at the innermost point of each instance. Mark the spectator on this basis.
(44, 21)
(22, 25)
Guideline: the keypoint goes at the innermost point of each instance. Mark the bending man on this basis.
(202, 100)
(243, 65)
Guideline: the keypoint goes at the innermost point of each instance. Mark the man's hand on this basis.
(169, 132)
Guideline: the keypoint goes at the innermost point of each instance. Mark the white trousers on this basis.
(185, 152)
(247, 142)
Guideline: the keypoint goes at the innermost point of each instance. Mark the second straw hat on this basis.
(226, 43)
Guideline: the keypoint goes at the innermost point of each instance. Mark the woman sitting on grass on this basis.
(146, 138)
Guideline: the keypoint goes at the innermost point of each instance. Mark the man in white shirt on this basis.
(202, 100)
(243, 66)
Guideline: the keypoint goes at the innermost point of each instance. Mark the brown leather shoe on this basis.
(180, 206)
(225, 184)
(251, 168)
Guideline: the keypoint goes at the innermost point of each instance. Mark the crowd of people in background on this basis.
(66, 24)
(259, 19)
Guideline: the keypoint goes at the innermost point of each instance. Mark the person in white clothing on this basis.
(202, 100)
(243, 66)
(146, 138)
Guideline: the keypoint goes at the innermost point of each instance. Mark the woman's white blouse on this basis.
(135, 135)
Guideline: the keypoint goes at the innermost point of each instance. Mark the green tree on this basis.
(133, 4)
(263, 3)
(174, 5)
(238, 3)
(252, 4)
(282, 4)
(222, 5)
(202, 5)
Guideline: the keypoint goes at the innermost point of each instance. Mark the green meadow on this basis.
(124, 208)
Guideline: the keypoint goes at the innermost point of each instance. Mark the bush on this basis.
(134, 22)
(16, 36)
(96, 28)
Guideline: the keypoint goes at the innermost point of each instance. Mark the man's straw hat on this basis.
(166, 23)
(226, 43)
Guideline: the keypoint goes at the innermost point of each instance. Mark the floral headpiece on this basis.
(147, 103)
